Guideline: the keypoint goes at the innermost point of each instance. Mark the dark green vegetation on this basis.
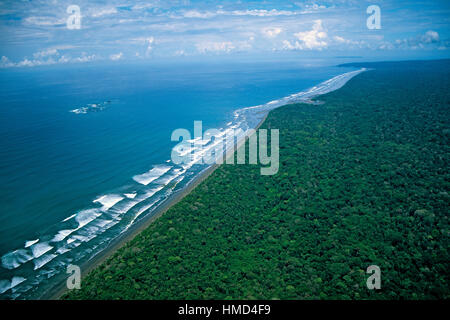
(364, 179)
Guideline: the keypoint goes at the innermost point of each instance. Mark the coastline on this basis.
(57, 291)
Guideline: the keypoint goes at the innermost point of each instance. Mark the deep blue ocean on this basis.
(55, 163)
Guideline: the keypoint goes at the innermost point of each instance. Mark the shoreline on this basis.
(58, 290)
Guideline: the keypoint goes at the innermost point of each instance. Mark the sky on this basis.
(35, 33)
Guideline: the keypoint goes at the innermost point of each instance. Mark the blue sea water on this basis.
(73, 138)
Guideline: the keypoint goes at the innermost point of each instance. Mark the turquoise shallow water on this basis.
(55, 163)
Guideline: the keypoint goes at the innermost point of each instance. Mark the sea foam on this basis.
(39, 249)
(108, 201)
(6, 285)
(15, 258)
(151, 175)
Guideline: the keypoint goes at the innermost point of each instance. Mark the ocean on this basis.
(85, 151)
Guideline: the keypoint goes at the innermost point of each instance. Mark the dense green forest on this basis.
(364, 179)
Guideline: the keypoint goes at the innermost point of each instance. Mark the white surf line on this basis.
(327, 86)
(151, 175)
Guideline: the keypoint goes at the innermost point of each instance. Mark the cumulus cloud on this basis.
(343, 41)
(83, 58)
(315, 6)
(271, 32)
(179, 53)
(44, 58)
(5, 63)
(191, 28)
(117, 56)
(313, 39)
(211, 46)
(340, 39)
(308, 40)
(46, 53)
(223, 46)
(149, 43)
(428, 38)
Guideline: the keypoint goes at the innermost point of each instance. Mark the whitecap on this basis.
(30, 243)
(43, 260)
(68, 218)
(15, 258)
(62, 234)
(108, 201)
(141, 211)
(124, 206)
(5, 285)
(167, 179)
(39, 249)
(62, 250)
(102, 223)
(151, 175)
(151, 192)
(86, 216)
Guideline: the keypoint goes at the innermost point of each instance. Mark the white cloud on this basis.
(146, 5)
(46, 53)
(223, 46)
(198, 14)
(310, 8)
(264, 13)
(5, 63)
(44, 21)
(312, 39)
(271, 32)
(103, 12)
(342, 40)
(220, 12)
(179, 53)
(44, 58)
(210, 46)
(386, 45)
(64, 59)
(84, 58)
(117, 56)
(430, 37)
(287, 45)
(149, 42)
